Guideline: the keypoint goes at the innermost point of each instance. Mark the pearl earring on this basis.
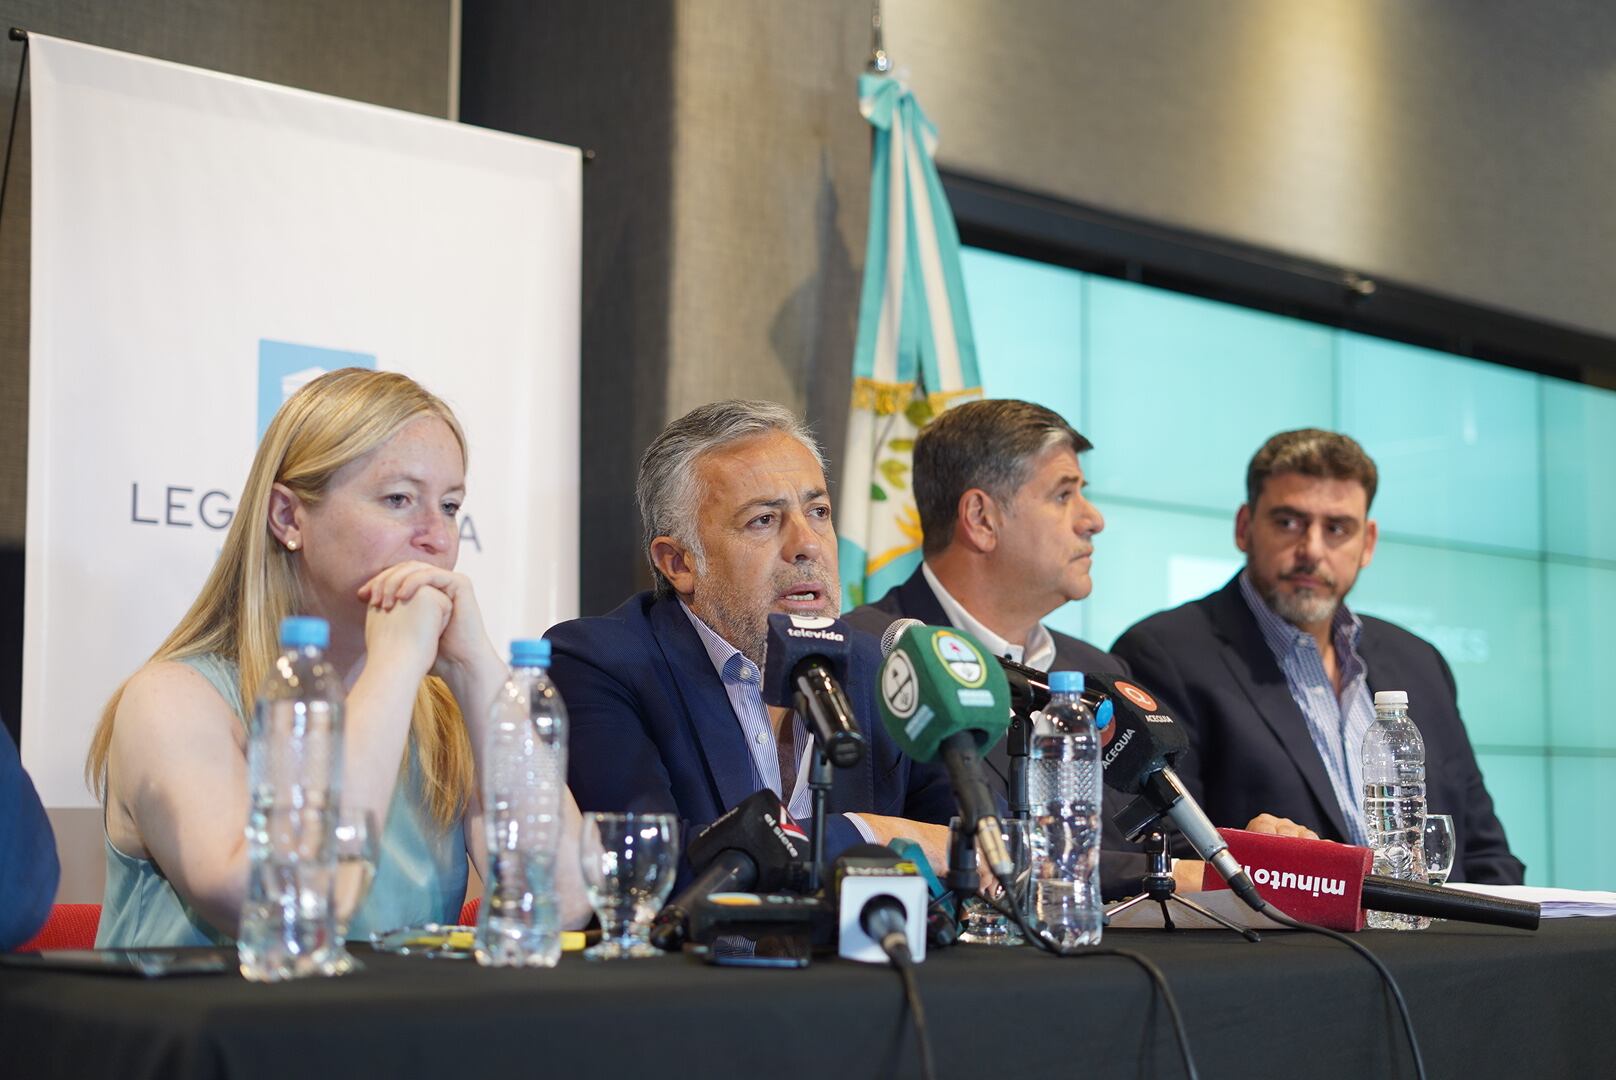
(291, 545)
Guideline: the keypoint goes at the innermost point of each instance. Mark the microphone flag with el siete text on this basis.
(754, 846)
(805, 664)
(1329, 884)
(942, 695)
(882, 899)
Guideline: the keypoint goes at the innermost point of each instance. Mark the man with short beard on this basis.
(1273, 676)
(664, 693)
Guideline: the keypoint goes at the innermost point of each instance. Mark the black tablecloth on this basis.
(1485, 1002)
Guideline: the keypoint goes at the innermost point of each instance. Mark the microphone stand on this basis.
(1018, 746)
(820, 774)
(1160, 887)
(963, 880)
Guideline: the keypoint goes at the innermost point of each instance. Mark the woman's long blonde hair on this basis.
(335, 419)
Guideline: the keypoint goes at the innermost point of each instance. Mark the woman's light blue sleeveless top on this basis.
(420, 875)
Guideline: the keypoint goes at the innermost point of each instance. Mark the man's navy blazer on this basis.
(1250, 749)
(1120, 865)
(653, 729)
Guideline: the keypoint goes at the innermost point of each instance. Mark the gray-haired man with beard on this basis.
(1273, 676)
(664, 692)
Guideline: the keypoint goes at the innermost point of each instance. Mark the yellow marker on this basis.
(572, 941)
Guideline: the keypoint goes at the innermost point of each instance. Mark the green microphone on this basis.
(944, 697)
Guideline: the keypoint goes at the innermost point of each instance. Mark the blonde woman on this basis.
(349, 513)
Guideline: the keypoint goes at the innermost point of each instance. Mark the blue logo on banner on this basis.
(283, 368)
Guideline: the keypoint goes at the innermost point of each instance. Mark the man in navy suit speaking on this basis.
(664, 692)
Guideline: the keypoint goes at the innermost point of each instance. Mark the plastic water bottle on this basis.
(1394, 800)
(524, 775)
(1063, 789)
(294, 770)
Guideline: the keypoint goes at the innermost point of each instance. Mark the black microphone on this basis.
(1417, 898)
(804, 667)
(1138, 750)
(1329, 884)
(753, 846)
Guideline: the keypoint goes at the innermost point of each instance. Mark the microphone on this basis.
(1137, 752)
(1029, 687)
(756, 845)
(942, 697)
(883, 902)
(1329, 885)
(805, 665)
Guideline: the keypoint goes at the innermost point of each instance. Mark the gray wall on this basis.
(389, 52)
(1459, 147)
(1462, 146)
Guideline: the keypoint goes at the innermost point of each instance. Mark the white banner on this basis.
(204, 244)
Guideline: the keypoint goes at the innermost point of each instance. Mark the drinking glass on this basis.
(358, 842)
(629, 863)
(983, 925)
(1439, 847)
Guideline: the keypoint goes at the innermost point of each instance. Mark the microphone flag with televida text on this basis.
(942, 696)
(805, 665)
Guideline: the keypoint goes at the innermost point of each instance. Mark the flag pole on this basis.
(880, 63)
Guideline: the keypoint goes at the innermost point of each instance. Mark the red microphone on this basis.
(1329, 884)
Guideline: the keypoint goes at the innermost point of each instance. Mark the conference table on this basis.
(1485, 1002)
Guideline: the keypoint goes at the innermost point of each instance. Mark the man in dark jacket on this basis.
(1008, 538)
(1273, 675)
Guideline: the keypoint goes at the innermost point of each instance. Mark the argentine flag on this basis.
(915, 355)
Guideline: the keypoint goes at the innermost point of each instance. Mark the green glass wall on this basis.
(1497, 516)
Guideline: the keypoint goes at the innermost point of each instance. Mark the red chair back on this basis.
(70, 926)
(468, 914)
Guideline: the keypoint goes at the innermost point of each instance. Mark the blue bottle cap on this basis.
(530, 652)
(1066, 682)
(299, 631)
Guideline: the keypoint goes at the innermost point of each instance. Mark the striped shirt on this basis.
(1337, 723)
(743, 683)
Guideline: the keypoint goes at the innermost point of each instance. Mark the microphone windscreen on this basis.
(937, 682)
(896, 631)
(795, 638)
(1142, 738)
(1313, 881)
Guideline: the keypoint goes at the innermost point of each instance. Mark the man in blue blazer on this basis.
(663, 693)
(1273, 675)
